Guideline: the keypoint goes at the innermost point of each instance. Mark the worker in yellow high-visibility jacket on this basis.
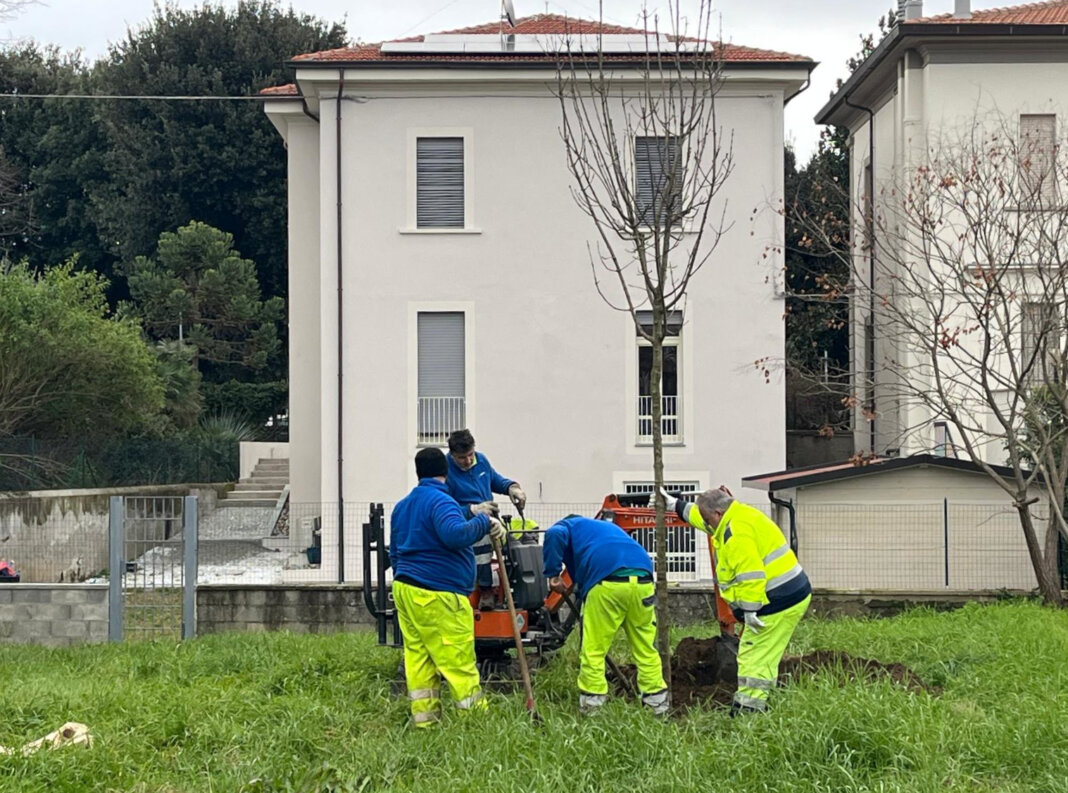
(760, 578)
(433, 562)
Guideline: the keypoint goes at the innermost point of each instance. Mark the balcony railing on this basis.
(437, 417)
(670, 426)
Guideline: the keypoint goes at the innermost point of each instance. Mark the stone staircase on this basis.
(262, 488)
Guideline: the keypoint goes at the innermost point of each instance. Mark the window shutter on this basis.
(672, 328)
(439, 183)
(654, 161)
(441, 354)
(1037, 146)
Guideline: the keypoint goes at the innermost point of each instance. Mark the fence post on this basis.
(116, 567)
(945, 536)
(190, 528)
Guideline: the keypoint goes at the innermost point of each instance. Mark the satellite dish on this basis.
(508, 12)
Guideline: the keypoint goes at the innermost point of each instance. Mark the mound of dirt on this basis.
(706, 670)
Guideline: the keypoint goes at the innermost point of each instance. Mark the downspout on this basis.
(789, 506)
(871, 262)
(340, 350)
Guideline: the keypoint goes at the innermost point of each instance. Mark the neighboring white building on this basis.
(933, 76)
(474, 305)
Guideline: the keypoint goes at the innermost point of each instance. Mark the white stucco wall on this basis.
(551, 388)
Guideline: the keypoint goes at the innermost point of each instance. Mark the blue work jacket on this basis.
(591, 550)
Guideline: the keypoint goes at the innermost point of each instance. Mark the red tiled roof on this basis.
(1054, 12)
(290, 89)
(541, 24)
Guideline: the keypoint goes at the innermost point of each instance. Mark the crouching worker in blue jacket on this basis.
(433, 575)
(614, 578)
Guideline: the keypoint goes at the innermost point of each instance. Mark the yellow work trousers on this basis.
(609, 606)
(759, 654)
(439, 642)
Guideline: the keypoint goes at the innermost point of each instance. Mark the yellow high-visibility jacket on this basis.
(755, 566)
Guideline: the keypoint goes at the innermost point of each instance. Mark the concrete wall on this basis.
(53, 615)
(324, 609)
(542, 345)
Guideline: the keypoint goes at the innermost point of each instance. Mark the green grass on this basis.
(273, 712)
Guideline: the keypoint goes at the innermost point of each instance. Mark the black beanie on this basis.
(430, 462)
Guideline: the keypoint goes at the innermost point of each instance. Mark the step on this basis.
(254, 494)
(279, 479)
(246, 502)
(272, 464)
(272, 485)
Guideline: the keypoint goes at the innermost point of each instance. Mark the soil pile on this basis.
(706, 670)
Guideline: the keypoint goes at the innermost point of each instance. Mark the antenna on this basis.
(507, 15)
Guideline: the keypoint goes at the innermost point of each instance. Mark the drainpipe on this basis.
(340, 351)
(789, 506)
(871, 261)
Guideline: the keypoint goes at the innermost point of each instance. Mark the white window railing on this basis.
(439, 416)
(670, 425)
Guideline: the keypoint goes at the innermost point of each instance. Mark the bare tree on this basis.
(9, 9)
(648, 159)
(961, 265)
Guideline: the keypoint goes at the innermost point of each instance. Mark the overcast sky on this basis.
(826, 30)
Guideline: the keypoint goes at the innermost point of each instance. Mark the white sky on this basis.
(826, 30)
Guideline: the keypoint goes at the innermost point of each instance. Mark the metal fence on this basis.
(944, 545)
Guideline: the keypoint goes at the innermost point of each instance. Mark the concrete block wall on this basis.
(300, 609)
(53, 615)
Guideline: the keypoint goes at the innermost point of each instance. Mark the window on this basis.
(1040, 345)
(670, 422)
(441, 404)
(1037, 155)
(682, 548)
(657, 179)
(439, 183)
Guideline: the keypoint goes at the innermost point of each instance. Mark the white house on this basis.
(935, 76)
(440, 278)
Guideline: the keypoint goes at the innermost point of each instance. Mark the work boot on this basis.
(487, 601)
(659, 703)
(589, 704)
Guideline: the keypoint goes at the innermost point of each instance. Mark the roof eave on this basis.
(905, 30)
(808, 65)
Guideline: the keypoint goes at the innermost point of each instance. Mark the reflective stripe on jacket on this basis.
(755, 567)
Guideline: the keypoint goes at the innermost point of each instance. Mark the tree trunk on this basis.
(663, 616)
(1043, 560)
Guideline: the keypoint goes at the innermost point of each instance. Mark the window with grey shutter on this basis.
(1037, 154)
(441, 399)
(657, 185)
(439, 183)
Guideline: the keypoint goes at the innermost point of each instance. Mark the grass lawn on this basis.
(275, 712)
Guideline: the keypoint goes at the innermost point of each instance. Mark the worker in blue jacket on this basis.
(433, 576)
(614, 578)
(472, 481)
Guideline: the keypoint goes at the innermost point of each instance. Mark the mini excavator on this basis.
(545, 619)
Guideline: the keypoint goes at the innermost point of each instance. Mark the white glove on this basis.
(753, 622)
(519, 498)
(496, 532)
(488, 508)
(669, 500)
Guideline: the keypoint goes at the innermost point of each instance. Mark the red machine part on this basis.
(630, 519)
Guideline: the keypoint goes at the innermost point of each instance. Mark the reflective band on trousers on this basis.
(780, 551)
(483, 558)
(756, 682)
(789, 575)
(424, 693)
(746, 701)
(422, 718)
(756, 575)
(468, 702)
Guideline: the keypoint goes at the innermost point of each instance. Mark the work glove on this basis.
(519, 498)
(753, 622)
(496, 532)
(488, 508)
(669, 500)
